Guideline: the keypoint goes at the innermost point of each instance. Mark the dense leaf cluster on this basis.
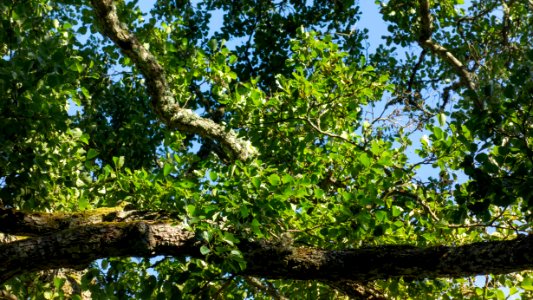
(433, 146)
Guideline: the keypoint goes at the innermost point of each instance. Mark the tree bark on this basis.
(78, 243)
(164, 101)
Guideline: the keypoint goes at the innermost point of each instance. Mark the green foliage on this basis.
(355, 149)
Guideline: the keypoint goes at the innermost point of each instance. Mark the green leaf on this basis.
(245, 212)
(84, 138)
(396, 211)
(287, 179)
(256, 98)
(478, 291)
(364, 159)
(236, 253)
(381, 215)
(442, 119)
(256, 181)
(213, 44)
(500, 295)
(204, 250)
(206, 235)
(274, 179)
(256, 228)
(92, 153)
(118, 161)
(439, 134)
(191, 209)
(58, 282)
(167, 168)
(527, 284)
(229, 238)
(83, 203)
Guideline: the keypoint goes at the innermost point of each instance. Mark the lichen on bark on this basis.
(163, 100)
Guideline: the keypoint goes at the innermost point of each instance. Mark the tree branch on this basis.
(267, 289)
(163, 100)
(34, 224)
(357, 290)
(365, 264)
(426, 42)
(77, 246)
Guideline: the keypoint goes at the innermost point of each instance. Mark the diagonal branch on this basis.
(426, 42)
(163, 100)
(266, 288)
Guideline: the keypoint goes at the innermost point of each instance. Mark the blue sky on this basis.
(370, 19)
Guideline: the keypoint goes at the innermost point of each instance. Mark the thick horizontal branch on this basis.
(34, 224)
(496, 257)
(163, 100)
(75, 247)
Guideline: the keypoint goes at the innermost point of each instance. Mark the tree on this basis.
(297, 165)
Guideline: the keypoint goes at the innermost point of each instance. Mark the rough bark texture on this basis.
(77, 244)
(366, 264)
(163, 100)
(76, 247)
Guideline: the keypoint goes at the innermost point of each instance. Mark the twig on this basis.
(330, 134)
(224, 286)
(266, 288)
(488, 224)
(416, 198)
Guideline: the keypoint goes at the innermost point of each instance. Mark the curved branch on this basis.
(425, 41)
(163, 100)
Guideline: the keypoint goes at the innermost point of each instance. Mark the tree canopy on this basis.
(277, 156)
